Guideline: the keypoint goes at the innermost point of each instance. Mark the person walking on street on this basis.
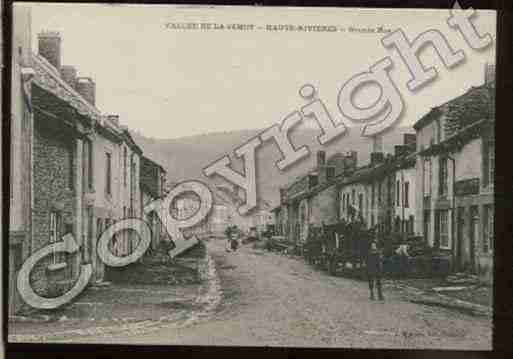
(374, 269)
(234, 240)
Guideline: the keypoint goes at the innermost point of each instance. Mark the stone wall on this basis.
(53, 190)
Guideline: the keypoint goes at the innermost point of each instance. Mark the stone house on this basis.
(62, 120)
(455, 205)
(68, 159)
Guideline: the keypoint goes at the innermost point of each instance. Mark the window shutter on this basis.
(437, 230)
(486, 169)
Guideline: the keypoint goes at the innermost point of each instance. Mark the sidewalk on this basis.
(140, 296)
(461, 292)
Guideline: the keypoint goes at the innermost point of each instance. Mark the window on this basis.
(397, 190)
(442, 188)
(443, 229)
(353, 197)
(488, 229)
(406, 194)
(379, 193)
(86, 248)
(71, 173)
(438, 131)
(372, 195)
(55, 234)
(390, 188)
(411, 222)
(360, 202)
(108, 173)
(88, 164)
(124, 166)
(491, 162)
(426, 175)
(133, 183)
(427, 224)
(488, 162)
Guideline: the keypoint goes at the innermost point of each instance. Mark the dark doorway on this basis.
(460, 244)
(474, 233)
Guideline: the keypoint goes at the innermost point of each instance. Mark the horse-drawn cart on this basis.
(338, 248)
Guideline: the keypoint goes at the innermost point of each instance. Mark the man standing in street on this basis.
(374, 269)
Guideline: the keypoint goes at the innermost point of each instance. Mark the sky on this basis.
(169, 83)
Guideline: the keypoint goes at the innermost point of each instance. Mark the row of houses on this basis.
(437, 184)
(73, 169)
(226, 200)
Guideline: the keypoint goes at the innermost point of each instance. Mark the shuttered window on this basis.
(488, 228)
(406, 194)
(443, 180)
(108, 173)
(488, 162)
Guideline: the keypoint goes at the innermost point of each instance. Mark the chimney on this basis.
(350, 161)
(337, 161)
(87, 88)
(377, 158)
(321, 158)
(69, 75)
(114, 119)
(50, 47)
(283, 194)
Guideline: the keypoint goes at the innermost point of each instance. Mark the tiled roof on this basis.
(152, 162)
(473, 106)
(48, 78)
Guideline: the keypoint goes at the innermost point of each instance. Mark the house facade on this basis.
(69, 159)
(456, 168)
(381, 193)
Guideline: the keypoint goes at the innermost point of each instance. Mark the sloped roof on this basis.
(474, 105)
(48, 78)
(152, 162)
(130, 141)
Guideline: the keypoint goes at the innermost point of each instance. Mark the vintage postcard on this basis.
(252, 176)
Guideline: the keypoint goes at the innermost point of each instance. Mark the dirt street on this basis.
(273, 300)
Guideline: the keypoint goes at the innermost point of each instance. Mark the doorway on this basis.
(461, 258)
(473, 237)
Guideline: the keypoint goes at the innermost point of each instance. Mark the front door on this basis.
(474, 233)
(460, 245)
